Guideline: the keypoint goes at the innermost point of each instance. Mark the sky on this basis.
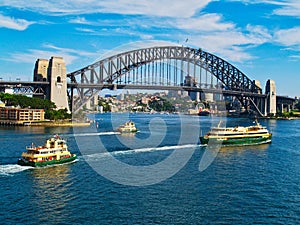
(260, 37)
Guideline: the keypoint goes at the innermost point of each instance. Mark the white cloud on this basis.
(208, 22)
(80, 20)
(74, 52)
(294, 58)
(49, 50)
(15, 24)
(285, 7)
(168, 8)
(289, 8)
(232, 45)
(203, 23)
(209, 31)
(225, 45)
(273, 2)
(85, 30)
(258, 34)
(33, 54)
(289, 37)
(158, 17)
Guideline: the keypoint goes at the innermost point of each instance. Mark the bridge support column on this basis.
(92, 104)
(58, 83)
(281, 108)
(271, 97)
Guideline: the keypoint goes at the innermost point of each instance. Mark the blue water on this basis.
(242, 185)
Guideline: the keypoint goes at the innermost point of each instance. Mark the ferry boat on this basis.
(54, 151)
(238, 135)
(128, 127)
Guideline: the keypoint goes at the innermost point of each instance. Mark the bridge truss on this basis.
(164, 68)
(25, 87)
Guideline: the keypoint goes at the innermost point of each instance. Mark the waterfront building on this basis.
(18, 114)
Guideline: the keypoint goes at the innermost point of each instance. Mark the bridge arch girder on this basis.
(111, 69)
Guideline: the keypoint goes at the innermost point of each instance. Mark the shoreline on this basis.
(85, 124)
(55, 124)
(44, 123)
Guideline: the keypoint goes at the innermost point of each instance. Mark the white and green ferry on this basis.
(238, 135)
(55, 151)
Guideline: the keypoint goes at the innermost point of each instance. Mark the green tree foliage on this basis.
(61, 114)
(298, 106)
(26, 102)
(105, 104)
(161, 104)
(35, 103)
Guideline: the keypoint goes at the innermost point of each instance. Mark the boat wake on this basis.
(141, 150)
(94, 134)
(10, 169)
(164, 148)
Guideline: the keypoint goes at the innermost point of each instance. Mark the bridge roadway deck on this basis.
(20, 83)
(160, 87)
(12, 84)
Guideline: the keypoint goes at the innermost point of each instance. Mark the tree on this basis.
(298, 105)
(161, 105)
(106, 106)
(61, 114)
(35, 103)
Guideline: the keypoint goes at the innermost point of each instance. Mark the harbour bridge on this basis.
(160, 68)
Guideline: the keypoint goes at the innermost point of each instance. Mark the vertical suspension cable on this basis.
(175, 71)
(206, 77)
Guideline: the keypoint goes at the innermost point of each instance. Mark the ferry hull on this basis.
(128, 131)
(23, 162)
(237, 141)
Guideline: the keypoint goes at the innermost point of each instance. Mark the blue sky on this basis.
(260, 37)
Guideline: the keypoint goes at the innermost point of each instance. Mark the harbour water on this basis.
(152, 177)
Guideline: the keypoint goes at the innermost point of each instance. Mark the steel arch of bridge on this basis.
(114, 72)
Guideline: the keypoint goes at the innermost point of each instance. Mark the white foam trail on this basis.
(95, 134)
(143, 150)
(164, 148)
(6, 170)
(10, 169)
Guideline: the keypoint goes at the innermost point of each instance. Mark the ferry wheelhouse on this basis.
(54, 151)
(238, 135)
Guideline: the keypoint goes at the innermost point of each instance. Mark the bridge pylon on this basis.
(54, 72)
(271, 97)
